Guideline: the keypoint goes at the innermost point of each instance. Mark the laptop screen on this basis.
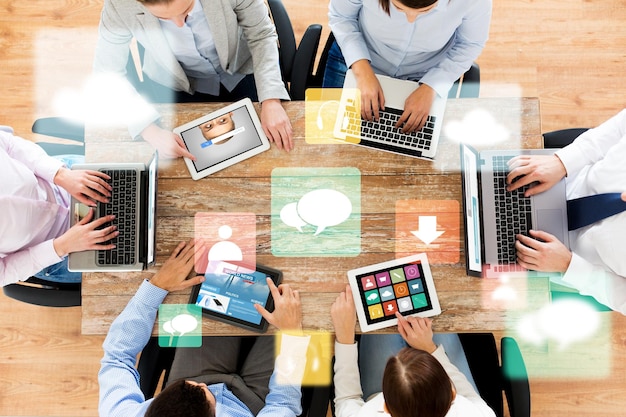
(471, 210)
(152, 192)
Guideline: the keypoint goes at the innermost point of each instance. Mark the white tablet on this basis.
(223, 138)
(402, 285)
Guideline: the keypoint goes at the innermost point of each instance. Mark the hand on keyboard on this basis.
(86, 186)
(543, 170)
(86, 235)
(372, 97)
(542, 252)
(416, 109)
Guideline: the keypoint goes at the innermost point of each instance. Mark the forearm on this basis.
(348, 393)
(23, 264)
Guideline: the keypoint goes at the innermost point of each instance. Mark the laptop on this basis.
(381, 134)
(493, 216)
(133, 202)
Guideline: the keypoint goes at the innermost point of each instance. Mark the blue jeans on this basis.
(58, 272)
(336, 68)
(375, 349)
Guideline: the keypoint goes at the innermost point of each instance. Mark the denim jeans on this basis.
(375, 349)
(58, 272)
(336, 68)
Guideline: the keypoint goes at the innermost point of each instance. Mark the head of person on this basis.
(412, 8)
(415, 384)
(217, 127)
(174, 10)
(183, 399)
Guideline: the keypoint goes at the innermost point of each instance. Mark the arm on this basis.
(120, 393)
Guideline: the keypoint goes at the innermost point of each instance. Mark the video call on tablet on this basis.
(402, 285)
(230, 290)
(223, 138)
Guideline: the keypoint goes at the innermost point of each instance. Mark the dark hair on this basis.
(151, 2)
(415, 384)
(413, 4)
(181, 399)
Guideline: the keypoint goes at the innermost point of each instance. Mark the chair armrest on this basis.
(302, 71)
(515, 378)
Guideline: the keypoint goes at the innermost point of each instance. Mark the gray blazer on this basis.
(245, 39)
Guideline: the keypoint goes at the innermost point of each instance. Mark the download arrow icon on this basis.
(427, 232)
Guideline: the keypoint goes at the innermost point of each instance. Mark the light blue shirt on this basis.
(120, 393)
(194, 48)
(436, 49)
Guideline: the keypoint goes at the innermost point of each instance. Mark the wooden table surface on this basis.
(468, 304)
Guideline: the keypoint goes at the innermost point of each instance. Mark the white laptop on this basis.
(133, 202)
(493, 216)
(381, 134)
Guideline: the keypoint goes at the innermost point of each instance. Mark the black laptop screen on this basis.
(471, 210)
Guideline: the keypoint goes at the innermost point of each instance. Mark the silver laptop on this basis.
(133, 202)
(493, 216)
(381, 134)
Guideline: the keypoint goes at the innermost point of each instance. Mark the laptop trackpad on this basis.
(551, 221)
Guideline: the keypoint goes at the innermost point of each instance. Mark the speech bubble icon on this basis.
(184, 323)
(324, 208)
(289, 216)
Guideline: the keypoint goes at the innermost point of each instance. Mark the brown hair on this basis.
(181, 399)
(415, 384)
(150, 2)
(413, 4)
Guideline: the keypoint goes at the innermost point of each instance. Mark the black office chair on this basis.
(468, 86)
(155, 363)
(494, 376)
(296, 63)
(561, 138)
(35, 290)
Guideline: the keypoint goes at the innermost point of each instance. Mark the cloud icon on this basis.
(387, 293)
(372, 296)
(477, 128)
(321, 208)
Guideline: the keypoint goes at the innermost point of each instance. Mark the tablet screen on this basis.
(222, 138)
(403, 285)
(230, 291)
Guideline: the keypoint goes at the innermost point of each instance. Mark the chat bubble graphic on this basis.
(181, 323)
(289, 216)
(324, 208)
(564, 321)
(184, 323)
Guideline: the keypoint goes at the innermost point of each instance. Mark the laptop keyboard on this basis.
(123, 203)
(513, 213)
(383, 130)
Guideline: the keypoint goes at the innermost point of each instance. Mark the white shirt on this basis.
(34, 210)
(595, 164)
(194, 48)
(349, 397)
(436, 49)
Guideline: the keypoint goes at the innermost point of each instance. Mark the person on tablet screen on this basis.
(215, 379)
(215, 130)
(400, 375)
(195, 51)
(35, 195)
(592, 164)
(430, 41)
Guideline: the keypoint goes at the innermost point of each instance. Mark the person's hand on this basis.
(544, 253)
(624, 196)
(85, 236)
(276, 124)
(372, 97)
(84, 185)
(287, 314)
(168, 143)
(173, 274)
(416, 109)
(546, 170)
(417, 332)
(343, 314)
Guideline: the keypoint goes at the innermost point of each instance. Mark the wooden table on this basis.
(468, 303)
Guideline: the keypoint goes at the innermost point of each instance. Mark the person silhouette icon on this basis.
(225, 250)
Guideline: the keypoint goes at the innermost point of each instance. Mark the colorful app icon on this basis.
(401, 290)
(316, 212)
(411, 271)
(383, 279)
(372, 297)
(404, 304)
(390, 307)
(416, 286)
(397, 275)
(180, 325)
(419, 300)
(386, 293)
(368, 282)
(376, 311)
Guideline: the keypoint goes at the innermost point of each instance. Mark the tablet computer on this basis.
(230, 290)
(402, 285)
(223, 138)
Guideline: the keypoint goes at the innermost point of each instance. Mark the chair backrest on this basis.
(45, 293)
(468, 86)
(561, 138)
(296, 63)
(318, 77)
